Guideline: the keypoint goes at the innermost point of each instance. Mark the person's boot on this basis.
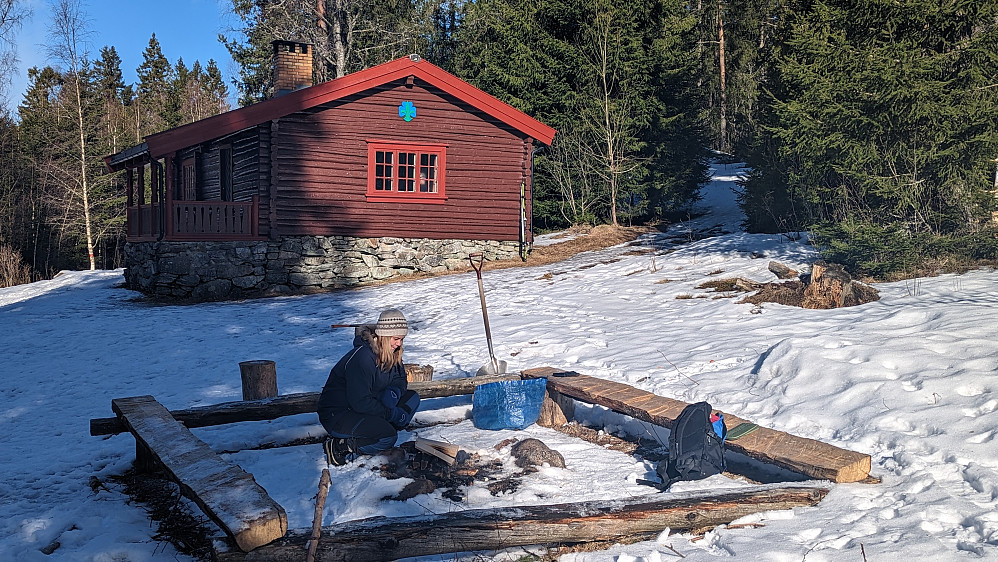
(339, 451)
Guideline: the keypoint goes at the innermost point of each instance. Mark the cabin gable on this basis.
(324, 168)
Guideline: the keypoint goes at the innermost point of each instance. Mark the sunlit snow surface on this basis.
(908, 380)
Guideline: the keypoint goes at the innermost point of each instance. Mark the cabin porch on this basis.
(155, 211)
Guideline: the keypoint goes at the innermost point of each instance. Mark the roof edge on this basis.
(163, 143)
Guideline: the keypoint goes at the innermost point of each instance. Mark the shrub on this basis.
(887, 252)
(13, 271)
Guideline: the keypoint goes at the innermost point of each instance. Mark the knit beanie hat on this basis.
(392, 323)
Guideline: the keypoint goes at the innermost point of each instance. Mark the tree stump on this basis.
(832, 287)
(418, 373)
(259, 379)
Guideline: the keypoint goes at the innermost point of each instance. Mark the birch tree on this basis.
(12, 14)
(68, 36)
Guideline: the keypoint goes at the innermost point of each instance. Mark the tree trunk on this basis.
(723, 128)
(341, 37)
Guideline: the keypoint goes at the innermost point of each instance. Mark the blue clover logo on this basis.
(407, 111)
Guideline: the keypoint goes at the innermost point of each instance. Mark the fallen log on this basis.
(224, 491)
(623, 521)
(799, 454)
(289, 405)
(782, 271)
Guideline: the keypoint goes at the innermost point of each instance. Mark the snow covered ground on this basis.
(909, 379)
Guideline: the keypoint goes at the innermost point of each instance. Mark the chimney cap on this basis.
(290, 43)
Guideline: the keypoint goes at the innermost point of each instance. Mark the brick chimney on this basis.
(292, 66)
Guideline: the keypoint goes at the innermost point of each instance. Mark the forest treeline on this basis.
(869, 124)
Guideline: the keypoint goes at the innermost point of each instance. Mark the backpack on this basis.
(696, 446)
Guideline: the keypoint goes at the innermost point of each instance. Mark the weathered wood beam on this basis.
(799, 454)
(289, 405)
(624, 521)
(224, 491)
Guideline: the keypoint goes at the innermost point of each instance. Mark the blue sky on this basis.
(186, 29)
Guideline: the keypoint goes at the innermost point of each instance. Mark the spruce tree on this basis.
(153, 90)
(882, 115)
(615, 81)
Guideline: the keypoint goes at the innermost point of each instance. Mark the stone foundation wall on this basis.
(210, 271)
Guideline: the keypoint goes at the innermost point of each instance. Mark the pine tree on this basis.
(112, 93)
(346, 35)
(882, 114)
(253, 53)
(613, 79)
(155, 75)
(215, 89)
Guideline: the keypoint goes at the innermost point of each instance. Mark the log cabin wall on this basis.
(245, 150)
(322, 168)
(318, 230)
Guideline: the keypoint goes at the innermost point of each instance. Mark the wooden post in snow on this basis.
(320, 504)
(259, 379)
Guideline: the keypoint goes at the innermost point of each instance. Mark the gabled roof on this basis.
(230, 122)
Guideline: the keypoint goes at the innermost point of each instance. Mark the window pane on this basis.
(383, 170)
(428, 173)
(407, 171)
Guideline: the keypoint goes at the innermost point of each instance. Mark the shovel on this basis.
(494, 367)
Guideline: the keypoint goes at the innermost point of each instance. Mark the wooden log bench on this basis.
(257, 525)
(223, 490)
(799, 454)
(289, 405)
(626, 520)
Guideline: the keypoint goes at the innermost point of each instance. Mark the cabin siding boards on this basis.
(322, 170)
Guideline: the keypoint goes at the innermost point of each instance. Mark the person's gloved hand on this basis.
(390, 397)
(400, 416)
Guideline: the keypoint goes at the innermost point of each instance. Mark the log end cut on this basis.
(265, 530)
(857, 471)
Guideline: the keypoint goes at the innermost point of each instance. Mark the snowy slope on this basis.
(908, 379)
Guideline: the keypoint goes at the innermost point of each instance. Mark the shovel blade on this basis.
(490, 369)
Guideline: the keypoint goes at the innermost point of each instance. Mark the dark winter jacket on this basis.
(356, 382)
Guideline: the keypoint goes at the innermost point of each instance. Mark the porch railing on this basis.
(143, 221)
(197, 220)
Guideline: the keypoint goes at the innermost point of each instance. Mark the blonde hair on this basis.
(386, 358)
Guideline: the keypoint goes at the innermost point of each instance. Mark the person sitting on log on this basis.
(366, 400)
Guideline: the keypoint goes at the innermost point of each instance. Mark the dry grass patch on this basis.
(588, 239)
(790, 293)
(721, 285)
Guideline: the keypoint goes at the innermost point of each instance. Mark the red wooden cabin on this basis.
(400, 150)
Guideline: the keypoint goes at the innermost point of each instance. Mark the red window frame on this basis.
(406, 173)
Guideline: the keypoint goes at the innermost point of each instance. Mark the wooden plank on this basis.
(290, 405)
(444, 451)
(800, 454)
(223, 490)
(623, 521)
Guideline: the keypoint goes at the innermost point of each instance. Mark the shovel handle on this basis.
(477, 266)
(481, 294)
